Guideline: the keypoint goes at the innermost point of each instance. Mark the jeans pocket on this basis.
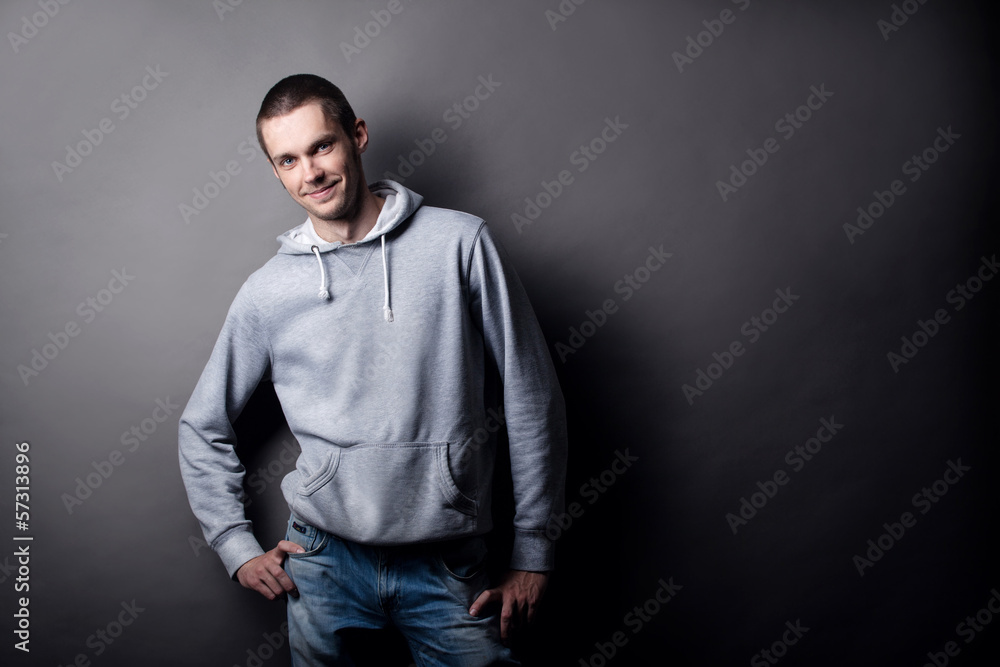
(463, 559)
(308, 537)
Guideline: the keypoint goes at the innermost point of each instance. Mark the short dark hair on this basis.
(294, 91)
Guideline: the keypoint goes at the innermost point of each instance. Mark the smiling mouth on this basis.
(319, 194)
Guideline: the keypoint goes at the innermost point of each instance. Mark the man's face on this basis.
(317, 162)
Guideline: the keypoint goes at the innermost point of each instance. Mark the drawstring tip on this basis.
(387, 311)
(324, 295)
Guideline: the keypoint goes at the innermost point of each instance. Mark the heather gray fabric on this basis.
(385, 411)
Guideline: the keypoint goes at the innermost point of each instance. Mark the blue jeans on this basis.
(423, 590)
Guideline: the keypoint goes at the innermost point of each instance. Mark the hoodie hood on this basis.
(400, 204)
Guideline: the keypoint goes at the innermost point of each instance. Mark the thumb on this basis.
(290, 547)
(484, 599)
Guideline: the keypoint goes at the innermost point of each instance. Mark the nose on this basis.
(313, 172)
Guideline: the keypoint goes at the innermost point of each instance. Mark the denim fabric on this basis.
(423, 590)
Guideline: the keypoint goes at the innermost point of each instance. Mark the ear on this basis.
(361, 135)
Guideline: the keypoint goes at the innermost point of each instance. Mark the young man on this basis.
(374, 322)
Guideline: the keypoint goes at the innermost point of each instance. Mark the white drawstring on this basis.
(386, 310)
(323, 292)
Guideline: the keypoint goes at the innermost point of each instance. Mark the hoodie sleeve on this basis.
(210, 468)
(533, 403)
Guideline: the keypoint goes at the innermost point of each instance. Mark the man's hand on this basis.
(265, 575)
(519, 592)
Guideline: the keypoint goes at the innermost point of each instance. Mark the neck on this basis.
(354, 228)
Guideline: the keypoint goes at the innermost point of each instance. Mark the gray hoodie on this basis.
(376, 351)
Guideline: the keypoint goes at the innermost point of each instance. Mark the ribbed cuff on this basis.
(533, 551)
(237, 547)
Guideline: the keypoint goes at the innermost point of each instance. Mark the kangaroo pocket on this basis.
(385, 493)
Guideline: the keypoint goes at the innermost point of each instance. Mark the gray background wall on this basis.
(132, 540)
